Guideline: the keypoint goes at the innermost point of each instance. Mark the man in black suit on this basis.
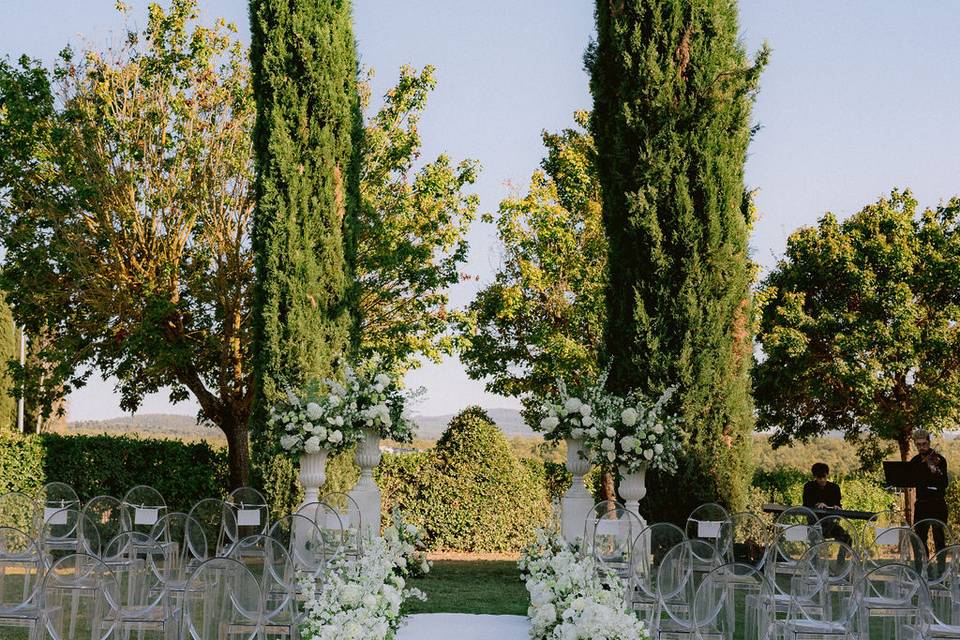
(820, 493)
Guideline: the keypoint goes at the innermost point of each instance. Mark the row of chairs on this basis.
(223, 570)
(789, 568)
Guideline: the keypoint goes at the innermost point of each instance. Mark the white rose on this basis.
(628, 442)
(312, 445)
(382, 379)
(572, 404)
(611, 432)
(607, 445)
(611, 456)
(549, 423)
(658, 448)
(369, 601)
(629, 416)
(648, 454)
(658, 429)
(314, 412)
(321, 433)
(593, 432)
(334, 400)
(585, 410)
(288, 442)
(378, 388)
(587, 421)
(576, 433)
(335, 437)
(350, 594)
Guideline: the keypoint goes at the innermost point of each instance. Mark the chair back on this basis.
(743, 539)
(350, 519)
(80, 594)
(303, 540)
(724, 592)
(705, 521)
(590, 522)
(21, 570)
(142, 506)
(221, 600)
(895, 545)
(213, 516)
(20, 511)
(678, 580)
(796, 515)
(931, 529)
(106, 514)
(251, 515)
(613, 536)
(138, 562)
(649, 549)
(183, 542)
(55, 496)
(69, 531)
(786, 555)
(942, 573)
(332, 531)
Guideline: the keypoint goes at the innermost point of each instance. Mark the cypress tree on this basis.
(673, 90)
(303, 59)
(9, 351)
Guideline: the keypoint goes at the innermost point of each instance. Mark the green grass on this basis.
(471, 586)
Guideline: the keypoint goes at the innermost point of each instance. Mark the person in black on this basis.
(820, 493)
(930, 469)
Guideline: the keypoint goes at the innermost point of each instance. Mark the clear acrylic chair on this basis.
(833, 568)
(649, 549)
(796, 515)
(942, 573)
(333, 533)
(786, 567)
(807, 616)
(724, 604)
(222, 601)
(143, 605)
(837, 527)
(141, 507)
(105, 513)
(56, 496)
(743, 538)
(930, 530)
(21, 569)
(303, 540)
(613, 534)
(877, 524)
(350, 518)
(894, 597)
(677, 582)
(184, 545)
(69, 531)
(705, 521)
(251, 515)
(80, 595)
(590, 523)
(213, 516)
(20, 511)
(271, 564)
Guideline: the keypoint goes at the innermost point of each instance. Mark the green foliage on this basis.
(9, 351)
(307, 160)
(411, 231)
(542, 317)
(123, 205)
(673, 91)
(860, 328)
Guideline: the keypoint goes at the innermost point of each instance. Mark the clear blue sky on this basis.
(859, 97)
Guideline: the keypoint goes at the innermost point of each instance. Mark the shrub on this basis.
(476, 494)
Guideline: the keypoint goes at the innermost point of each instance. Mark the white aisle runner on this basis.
(464, 626)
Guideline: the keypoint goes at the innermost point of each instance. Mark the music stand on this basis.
(899, 474)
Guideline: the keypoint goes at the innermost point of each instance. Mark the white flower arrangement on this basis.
(640, 432)
(361, 600)
(570, 599)
(378, 402)
(567, 415)
(315, 420)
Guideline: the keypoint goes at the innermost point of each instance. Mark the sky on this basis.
(859, 97)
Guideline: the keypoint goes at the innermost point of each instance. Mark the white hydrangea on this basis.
(629, 416)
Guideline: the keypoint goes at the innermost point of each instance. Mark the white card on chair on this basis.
(54, 515)
(145, 516)
(886, 535)
(708, 528)
(248, 517)
(797, 534)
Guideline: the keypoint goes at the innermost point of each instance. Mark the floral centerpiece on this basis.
(321, 416)
(573, 415)
(641, 433)
(377, 402)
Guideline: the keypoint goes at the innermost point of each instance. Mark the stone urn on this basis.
(366, 493)
(633, 487)
(577, 502)
(313, 474)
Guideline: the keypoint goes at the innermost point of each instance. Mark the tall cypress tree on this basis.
(304, 65)
(673, 90)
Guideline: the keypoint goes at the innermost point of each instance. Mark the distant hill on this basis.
(169, 425)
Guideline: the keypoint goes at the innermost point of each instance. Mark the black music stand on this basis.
(900, 474)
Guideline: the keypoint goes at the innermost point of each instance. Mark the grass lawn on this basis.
(471, 586)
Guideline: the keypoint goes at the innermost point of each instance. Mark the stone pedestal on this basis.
(366, 493)
(577, 501)
(313, 474)
(633, 487)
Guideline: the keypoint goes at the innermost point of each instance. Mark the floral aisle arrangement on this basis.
(362, 600)
(570, 599)
(640, 432)
(319, 417)
(413, 561)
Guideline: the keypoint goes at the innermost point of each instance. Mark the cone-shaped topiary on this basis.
(478, 495)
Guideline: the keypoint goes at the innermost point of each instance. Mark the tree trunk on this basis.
(238, 452)
(903, 443)
(608, 487)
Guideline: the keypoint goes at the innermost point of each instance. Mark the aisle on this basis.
(464, 626)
